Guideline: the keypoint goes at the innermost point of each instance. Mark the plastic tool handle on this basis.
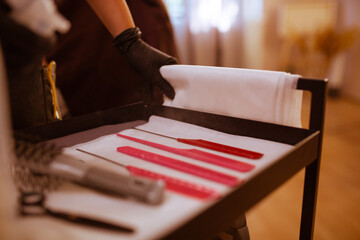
(180, 165)
(142, 189)
(197, 154)
(177, 185)
(221, 148)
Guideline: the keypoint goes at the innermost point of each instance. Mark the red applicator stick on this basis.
(214, 146)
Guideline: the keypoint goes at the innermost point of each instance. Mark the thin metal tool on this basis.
(174, 184)
(103, 158)
(212, 146)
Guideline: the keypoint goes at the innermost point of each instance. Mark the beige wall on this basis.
(348, 16)
(351, 84)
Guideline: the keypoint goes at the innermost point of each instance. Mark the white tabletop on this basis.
(153, 222)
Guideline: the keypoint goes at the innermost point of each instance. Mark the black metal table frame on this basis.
(305, 154)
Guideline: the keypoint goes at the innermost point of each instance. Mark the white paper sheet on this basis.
(151, 222)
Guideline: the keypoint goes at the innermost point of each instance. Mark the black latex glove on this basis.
(144, 59)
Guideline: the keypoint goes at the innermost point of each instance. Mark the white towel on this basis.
(267, 96)
(150, 221)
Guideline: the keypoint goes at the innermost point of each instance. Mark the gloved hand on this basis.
(145, 59)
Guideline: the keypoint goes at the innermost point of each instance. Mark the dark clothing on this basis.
(91, 74)
(30, 96)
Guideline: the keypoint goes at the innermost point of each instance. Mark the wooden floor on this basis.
(338, 205)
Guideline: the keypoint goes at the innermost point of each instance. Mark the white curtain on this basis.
(217, 32)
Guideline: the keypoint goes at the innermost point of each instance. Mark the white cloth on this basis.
(153, 222)
(267, 96)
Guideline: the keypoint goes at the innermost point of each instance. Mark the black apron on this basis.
(30, 96)
(91, 74)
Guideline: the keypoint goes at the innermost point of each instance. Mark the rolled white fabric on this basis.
(267, 96)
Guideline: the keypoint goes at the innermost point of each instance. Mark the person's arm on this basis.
(143, 58)
(114, 14)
